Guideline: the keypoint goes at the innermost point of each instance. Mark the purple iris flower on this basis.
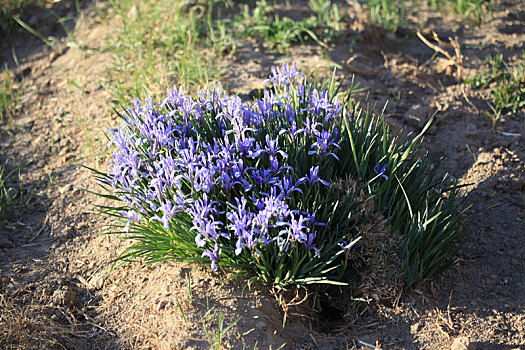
(346, 246)
(296, 229)
(322, 144)
(313, 177)
(286, 75)
(214, 255)
(381, 170)
(207, 230)
(272, 147)
(310, 243)
(169, 211)
(310, 126)
(287, 186)
(203, 180)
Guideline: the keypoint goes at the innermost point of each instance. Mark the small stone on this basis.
(23, 119)
(83, 281)
(97, 281)
(161, 305)
(66, 188)
(390, 36)
(414, 328)
(133, 13)
(260, 325)
(462, 343)
(180, 343)
(33, 20)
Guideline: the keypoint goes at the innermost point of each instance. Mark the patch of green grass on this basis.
(51, 41)
(279, 33)
(388, 13)
(8, 95)
(12, 8)
(215, 336)
(391, 14)
(506, 83)
(159, 43)
(471, 10)
(10, 189)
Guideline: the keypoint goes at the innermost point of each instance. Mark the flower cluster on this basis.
(248, 176)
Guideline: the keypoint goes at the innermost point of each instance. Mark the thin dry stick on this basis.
(41, 229)
(368, 345)
(440, 328)
(285, 306)
(456, 60)
(450, 323)
(356, 69)
(468, 100)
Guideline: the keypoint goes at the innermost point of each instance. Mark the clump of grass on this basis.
(414, 190)
(390, 14)
(506, 83)
(11, 9)
(215, 336)
(257, 188)
(10, 191)
(8, 95)
(471, 10)
(162, 44)
(279, 33)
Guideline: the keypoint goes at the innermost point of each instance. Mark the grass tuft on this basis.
(474, 11)
(8, 95)
(158, 43)
(390, 14)
(10, 188)
(280, 32)
(506, 83)
(11, 9)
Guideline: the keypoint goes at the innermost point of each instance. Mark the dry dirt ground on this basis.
(55, 290)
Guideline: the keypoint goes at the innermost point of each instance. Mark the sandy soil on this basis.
(55, 290)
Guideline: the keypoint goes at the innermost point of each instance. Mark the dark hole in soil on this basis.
(331, 313)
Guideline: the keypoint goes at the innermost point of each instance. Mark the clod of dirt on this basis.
(65, 296)
(462, 343)
(67, 188)
(161, 305)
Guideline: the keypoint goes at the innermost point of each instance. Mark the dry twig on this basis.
(468, 100)
(455, 59)
(41, 228)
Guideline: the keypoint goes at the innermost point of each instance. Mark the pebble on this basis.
(414, 328)
(462, 343)
(133, 12)
(260, 325)
(161, 305)
(97, 281)
(66, 188)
